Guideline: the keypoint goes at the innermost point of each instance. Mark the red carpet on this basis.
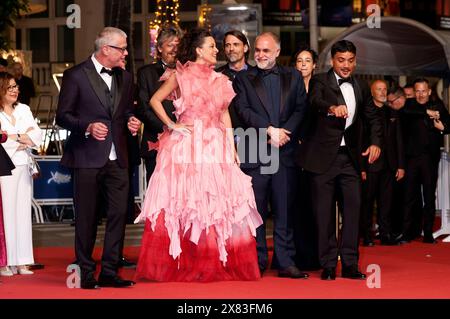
(414, 270)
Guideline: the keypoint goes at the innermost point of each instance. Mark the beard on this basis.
(267, 64)
(233, 58)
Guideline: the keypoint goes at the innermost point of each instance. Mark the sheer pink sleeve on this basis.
(173, 95)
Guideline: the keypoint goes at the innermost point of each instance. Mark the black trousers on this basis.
(305, 230)
(278, 190)
(378, 187)
(421, 172)
(112, 181)
(340, 181)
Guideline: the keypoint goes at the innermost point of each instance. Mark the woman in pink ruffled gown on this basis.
(199, 210)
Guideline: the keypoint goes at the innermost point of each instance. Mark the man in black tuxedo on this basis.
(95, 105)
(424, 123)
(272, 100)
(331, 153)
(147, 84)
(379, 178)
(237, 50)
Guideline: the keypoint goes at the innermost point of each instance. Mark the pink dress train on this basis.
(199, 210)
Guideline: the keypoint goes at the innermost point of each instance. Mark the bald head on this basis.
(379, 92)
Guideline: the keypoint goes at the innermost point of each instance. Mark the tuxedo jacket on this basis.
(392, 155)
(252, 105)
(419, 132)
(6, 165)
(147, 84)
(323, 138)
(83, 100)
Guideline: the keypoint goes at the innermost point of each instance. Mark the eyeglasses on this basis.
(12, 87)
(118, 48)
(392, 101)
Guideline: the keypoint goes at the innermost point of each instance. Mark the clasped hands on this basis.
(99, 130)
(278, 136)
(434, 115)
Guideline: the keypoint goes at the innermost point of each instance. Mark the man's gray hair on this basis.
(272, 35)
(105, 37)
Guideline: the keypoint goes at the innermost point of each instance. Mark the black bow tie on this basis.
(343, 80)
(273, 70)
(105, 70)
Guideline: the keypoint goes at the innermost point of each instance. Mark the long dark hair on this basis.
(192, 40)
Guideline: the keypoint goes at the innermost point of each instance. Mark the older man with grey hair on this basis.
(95, 105)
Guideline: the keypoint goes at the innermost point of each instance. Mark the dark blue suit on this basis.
(258, 109)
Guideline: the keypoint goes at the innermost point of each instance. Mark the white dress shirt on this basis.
(108, 80)
(350, 101)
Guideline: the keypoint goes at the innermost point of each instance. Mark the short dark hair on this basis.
(421, 80)
(343, 46)
(408, 85)
(238, 34)
(190, 42)
(397, 90)
(306, 48)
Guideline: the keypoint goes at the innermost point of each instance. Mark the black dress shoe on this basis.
(429, 239)
(368, 243)
(124, 263)
(388, 241)
(262, 270)
(114, 281)
(292, 272)
(328, 274)
(402, 239)
(88, 281)
(352, 272)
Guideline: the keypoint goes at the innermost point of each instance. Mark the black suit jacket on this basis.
(419, 133)
(321, 143)
(147, 84)
(82, 101)
(253, 107)
(231, 74)
(392, 155)
(6, 165)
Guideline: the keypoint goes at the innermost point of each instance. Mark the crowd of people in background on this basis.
(340, 144)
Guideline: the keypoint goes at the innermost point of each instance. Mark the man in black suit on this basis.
(237, 50)
(331, 153)
(379, 177)
(25, 83)
(147, 84)
(424, 123)
(95, 105)
(271, 101)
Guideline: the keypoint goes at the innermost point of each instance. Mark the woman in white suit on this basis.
(23, 134)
